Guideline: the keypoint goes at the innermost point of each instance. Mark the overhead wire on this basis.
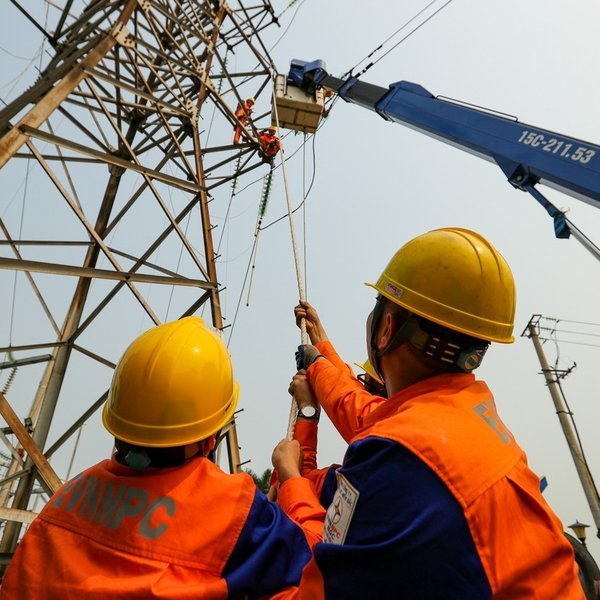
(384, 42)
(21, 220)
(555, 329)
(3, 49)
(580, 322)
(268, 181)
(289, 24)
(362, 72)
(259, 179)
(302, 147)
(269, 225)
(239, 302)
(570, 331)
(372, 64)
(39, 55)
(290, 4)
(15, 80)
(571, 342)
(48, 37)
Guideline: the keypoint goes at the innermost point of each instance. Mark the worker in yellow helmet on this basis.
(160, 520)
(369, 378)
(270, 143)
(242, 113)
(434, 498)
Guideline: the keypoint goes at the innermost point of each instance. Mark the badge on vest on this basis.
(340, 511)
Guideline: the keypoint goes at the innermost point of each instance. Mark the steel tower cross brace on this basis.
(128, 129)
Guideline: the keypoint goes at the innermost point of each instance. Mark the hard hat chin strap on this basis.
(403, 333)
(439, 343)
(212, 454)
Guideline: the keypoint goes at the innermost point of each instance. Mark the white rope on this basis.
(301, 290)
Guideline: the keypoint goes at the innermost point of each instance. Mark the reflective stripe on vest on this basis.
(176, 515)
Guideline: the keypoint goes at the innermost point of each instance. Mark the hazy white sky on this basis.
(376, 185)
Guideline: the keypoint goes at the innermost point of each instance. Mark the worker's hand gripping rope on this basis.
(306, 356)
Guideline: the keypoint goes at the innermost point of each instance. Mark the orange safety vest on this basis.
(243, 111)
(113, 532)
(270, 143)
(450, 422)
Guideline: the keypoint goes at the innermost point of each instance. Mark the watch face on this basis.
(308, 412)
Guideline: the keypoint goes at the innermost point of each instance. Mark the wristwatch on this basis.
(309, 412)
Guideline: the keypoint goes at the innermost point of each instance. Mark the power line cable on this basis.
(2, 49)
(49, 37)
(570, 331)
(239, 302)
(289, 24)
(25, 189)
(580, 322)
(571, 342)
(305, 195)
(382, 44)
(372, 64)
(252, 252)
(286, 9)
(302, 147)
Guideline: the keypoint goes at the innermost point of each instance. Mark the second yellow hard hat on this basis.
(173, 386)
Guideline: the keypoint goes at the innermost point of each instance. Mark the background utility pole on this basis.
(564, 416)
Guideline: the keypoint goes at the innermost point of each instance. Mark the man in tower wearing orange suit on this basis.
(242, 112)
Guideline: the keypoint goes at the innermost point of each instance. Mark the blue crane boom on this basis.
(527, 155)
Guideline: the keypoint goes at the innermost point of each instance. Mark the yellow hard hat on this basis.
(367, 367)
(273, 129)
(173, 386)
(456, 278)
(251, 100)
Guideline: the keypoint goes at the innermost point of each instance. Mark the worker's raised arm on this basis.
(306, 431)
(307, 420)
(314, 327)
(339, 393)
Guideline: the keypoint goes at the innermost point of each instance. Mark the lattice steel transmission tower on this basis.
(119, 147)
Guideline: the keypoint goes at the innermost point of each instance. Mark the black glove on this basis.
(306, 356)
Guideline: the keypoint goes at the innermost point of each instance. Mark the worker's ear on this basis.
(386, 330)
(208, 444)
